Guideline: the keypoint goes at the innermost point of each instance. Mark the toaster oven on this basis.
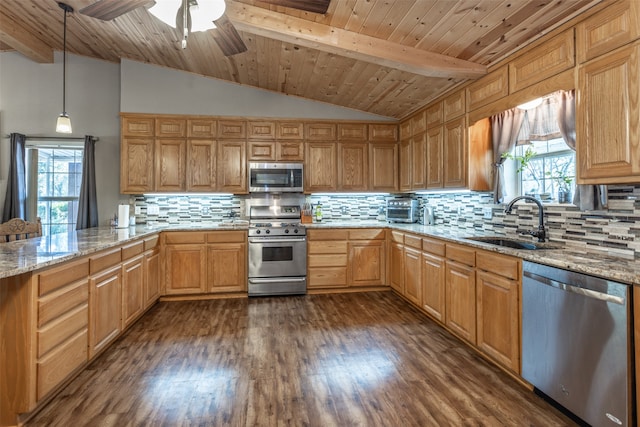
(402, 210)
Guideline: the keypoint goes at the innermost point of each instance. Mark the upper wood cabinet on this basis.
(136, 165)
(201, 165)
(232, 129)
(290, 130)
(262, 150)
(405, 129)
(548, 59)
(489, 88)
(353, 166)
(201, 128)
(435, 115)
(405, 165)
(352, 132)
(612, 27)
(435, 157)
(232, 166)
(455, 154)
(167, 127)
(383, 166)
(321, 166)
(320, 131)
(454, 105)
(418, 123)
(261, 130)
(608, 118)
(290, 151)
(418, 161)
(137, 126)
(383, 132)
(170, 165)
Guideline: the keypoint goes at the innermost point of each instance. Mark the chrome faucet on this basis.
(539, 233)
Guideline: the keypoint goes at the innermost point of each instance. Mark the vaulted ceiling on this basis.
(387, 57)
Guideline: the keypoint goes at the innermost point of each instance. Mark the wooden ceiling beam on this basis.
(279, 26)
(23, 41)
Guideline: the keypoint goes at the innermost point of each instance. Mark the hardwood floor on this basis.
(364, 359)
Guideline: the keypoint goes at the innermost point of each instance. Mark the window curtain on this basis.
(88, 200)
(15, 200)
(586, 197)
(505, 129)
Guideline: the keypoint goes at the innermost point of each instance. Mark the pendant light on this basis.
(64, 122)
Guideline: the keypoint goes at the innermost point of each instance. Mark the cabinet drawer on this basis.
(57, 366)
(151, 242)
(263, 150)
(58, 303)
(397, 236)
(502, 265)
(55, 278)
(183, 238)
(227, 237)
(331, 277)
(367, 234)
(433, 246)
(328, 234)
(104, 260)
(461, 254)
(132, 249)
(290, 151)
(328, 247)
(289, 130)
(57, 332)
(327, 260)
(413, 241)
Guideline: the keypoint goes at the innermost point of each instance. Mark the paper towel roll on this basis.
(123, 216)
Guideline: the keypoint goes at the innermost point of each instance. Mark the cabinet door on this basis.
(290, 151)
(433, 286)
(435, 163)
(170, 127)
(137, 126)
(226, 267)
(455, 154)
(498, 317)
(232, 166)
(397, 267)
(405, 165)
(608, 118)
(418, 161)
(152, 278)
(262, 150)
(353, 167)
(379, 132)
(412, 276)
(201, 165)
(136, 165)
(321, 166)
(383, 166)
(185, 269)
(367, 263)
(170, 164)
(132, 289)
(460, 311)
(105, 304)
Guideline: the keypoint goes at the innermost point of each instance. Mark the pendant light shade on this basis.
(63, 124)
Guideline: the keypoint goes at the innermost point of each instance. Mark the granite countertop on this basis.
(33, 254)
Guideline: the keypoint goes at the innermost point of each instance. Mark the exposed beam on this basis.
(23, 41)
(263, 22)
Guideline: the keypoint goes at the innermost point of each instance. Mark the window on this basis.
(59, 176)
(550, 169)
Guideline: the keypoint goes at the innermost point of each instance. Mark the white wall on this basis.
(31, 100)
(153, 89)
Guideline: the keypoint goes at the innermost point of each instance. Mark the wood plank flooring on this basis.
(363, 359)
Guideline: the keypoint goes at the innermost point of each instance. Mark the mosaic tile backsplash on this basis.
(615, 231)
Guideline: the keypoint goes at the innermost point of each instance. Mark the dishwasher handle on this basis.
(589, 293)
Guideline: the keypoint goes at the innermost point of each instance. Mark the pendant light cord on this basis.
(64, 64)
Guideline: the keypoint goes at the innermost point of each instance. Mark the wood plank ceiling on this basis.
(387, 57)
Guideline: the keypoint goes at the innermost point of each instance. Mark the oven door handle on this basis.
(276, 240)
(276, 279)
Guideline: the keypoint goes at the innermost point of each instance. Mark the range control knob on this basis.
(286, 230)
(295, 230)
(267, 231)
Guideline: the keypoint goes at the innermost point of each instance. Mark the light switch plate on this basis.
(487, 213)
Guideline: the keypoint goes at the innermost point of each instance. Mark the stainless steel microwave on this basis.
(275, 177)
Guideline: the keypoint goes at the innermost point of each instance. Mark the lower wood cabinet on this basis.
(367, 257)
(460, 297)
(227, 261)
(152, 282)
(133, 277)
(412, 275)
(105, 301)
(433, 278)
(185, 268)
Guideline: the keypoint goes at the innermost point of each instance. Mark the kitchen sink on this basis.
(512, 243)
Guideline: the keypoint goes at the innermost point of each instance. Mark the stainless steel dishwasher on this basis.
(576, 342)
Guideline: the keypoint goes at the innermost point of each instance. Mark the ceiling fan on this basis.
(225, 34)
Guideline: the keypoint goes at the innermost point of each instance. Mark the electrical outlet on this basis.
(153, 210)
(487, 213)
(138, 210)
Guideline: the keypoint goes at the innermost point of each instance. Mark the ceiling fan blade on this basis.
(107, 10)
(227, 37)
(315, 6)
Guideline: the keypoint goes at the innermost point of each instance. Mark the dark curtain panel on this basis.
(505, 129)
(88, 202)
(586, 197)
(15, 200)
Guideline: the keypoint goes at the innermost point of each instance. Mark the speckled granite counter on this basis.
(33, 254)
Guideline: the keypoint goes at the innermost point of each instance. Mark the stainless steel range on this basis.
(277, 251)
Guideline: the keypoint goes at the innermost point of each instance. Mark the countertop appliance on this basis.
(576, 342)
(402, 210)
(277, 251)
(275, 177)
